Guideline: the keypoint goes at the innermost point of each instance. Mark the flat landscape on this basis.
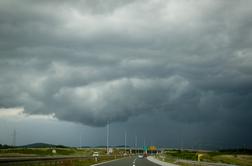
(125, 82)
(184, 157)
(84, 157)
(55, 155)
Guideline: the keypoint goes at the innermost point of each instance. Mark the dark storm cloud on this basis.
(93, 61)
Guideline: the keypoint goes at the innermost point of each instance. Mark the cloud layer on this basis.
(94, 61)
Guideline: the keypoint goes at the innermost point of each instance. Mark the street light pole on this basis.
(108, 137)
(80, 141)
(136, 144)
(125, 141)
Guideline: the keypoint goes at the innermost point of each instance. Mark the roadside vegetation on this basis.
(47, 152)
(241, 157)
(78, 162)
(86, 153)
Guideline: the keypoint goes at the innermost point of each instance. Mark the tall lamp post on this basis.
(125, 141)
(107, 137)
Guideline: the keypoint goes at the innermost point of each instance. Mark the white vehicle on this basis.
(96, 154)
(140, 156)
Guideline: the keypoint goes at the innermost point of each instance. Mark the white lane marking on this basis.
(134, 162)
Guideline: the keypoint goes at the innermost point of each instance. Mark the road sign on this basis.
(152, 148)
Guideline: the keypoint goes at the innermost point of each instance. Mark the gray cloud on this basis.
(91, 61)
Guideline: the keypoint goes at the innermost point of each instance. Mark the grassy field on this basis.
(76, 162)
(228, 157)
(237, 159)
(48, 152)
(60, 152)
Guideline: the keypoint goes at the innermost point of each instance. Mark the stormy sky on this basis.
(171, 72)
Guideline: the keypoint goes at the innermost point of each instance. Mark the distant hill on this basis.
(42, 145)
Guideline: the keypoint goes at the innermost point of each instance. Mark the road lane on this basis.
(144, 162)
(126, 161)
(130, 162)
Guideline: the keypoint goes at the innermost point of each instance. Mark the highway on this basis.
(131, 161)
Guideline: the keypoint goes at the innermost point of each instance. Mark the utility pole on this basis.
(107, 137)
(125, 141)
(181, 143)
(80, 140)
(145, 147)
(136, 144)
(14, 138)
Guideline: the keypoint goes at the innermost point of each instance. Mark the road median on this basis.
(156, 161)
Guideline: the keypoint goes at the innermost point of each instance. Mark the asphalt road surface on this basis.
(131, 161)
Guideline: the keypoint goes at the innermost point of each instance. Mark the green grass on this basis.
(18, 152)
(77, 162)
(242, 159)
(229, 158)
(36, 151)
(48, 152)
(179, 154)
(245, 160)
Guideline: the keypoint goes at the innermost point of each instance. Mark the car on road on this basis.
(95, 154)
(140, 156)
(145, 155)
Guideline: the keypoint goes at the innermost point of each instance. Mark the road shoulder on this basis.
(156, 161)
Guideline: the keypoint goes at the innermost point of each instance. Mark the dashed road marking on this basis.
(134, 162)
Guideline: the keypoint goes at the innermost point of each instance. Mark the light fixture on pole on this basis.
(107, 137)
